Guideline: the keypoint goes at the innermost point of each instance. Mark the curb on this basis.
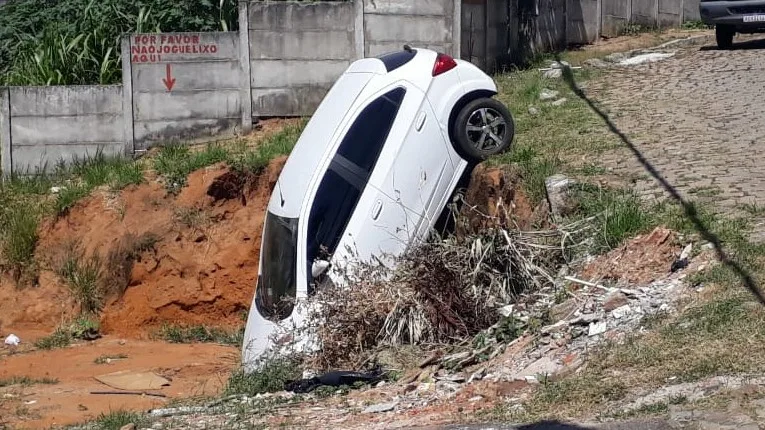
(688, 41)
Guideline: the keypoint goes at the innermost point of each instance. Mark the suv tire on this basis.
(724, 35)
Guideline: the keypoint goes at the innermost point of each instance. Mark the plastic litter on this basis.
(12, 340)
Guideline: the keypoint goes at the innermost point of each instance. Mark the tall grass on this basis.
(72, 42)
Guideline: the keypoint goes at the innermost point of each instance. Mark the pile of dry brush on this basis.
(444, 291)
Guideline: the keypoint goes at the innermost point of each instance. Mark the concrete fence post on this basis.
(6, 155)
(127, 97)
(358, 29)
(457, 29)
(244, 64)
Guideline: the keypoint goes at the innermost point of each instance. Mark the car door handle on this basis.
(376, 210)
(420, 121)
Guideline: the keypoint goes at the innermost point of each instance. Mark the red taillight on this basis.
(444, 63)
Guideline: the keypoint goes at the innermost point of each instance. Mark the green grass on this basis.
(618, 215)
(270, 377)
(200, 334)
(545, 143)
(26, 381)
(83, 276)
(115, 420)
(175, 162)
(60, 338)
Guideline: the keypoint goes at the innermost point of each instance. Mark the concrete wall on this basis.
(583, 25)
(616, 15)
(390, 24)
(691, 10)
(551, 25)
(184, 86)
(473, 49)
(41, 126)
(296, 51)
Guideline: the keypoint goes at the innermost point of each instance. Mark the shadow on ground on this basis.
(740, 46)
(689, 209)
(651, 424)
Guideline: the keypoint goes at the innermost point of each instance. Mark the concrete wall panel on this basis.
(395, 23)
(691, 10)
(407, 28)
(645, 12)
(670, 13)
(583, 24)
(27, 130)
(50, 124)
(180, 47)
(297, 51)
(301, 45)
(409, 7)
(185, 130)
(188, 76)
(616, 15)
(39, 158)
(290, 73)
(66, 101)
(295, 101)
(186, 105)
(187, 93)
(294, 16)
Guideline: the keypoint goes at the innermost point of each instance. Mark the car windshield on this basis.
(277, 285)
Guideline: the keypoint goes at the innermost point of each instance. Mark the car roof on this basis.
(322, 132)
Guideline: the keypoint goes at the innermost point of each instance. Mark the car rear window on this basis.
(395, 60)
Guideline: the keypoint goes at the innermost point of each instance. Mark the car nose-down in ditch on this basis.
(374, 168)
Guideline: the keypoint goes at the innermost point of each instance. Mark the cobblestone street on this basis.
(699, 119)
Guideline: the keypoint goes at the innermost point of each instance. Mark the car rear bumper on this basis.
(733, 13)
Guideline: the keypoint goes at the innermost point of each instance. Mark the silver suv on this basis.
(733, 16)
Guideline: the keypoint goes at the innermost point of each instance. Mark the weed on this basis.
(200, 333)
(83, 277)
(176, 161)
(619, 214)
(116, 420)
(753, 208)
(26, 381)
(18, 236)
(695, 25)
(105, 359)
(68, 196)
(270, 376)
(60, 338)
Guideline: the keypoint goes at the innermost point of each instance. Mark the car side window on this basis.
(366, 137)
(341, 188)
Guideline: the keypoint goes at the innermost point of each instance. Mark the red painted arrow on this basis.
(169, 81)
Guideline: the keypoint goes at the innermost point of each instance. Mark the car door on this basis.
(346, 219)
(421, 169)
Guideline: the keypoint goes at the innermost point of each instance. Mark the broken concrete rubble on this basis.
(560, 195)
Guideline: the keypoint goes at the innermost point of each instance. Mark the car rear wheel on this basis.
(724, 35)
(484, 127)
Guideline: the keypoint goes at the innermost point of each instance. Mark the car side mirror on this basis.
(318, 267)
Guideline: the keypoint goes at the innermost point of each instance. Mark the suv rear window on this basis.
(347, 176)
(395, 60)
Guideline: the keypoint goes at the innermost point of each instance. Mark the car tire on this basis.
(484, 127)
(724, 35)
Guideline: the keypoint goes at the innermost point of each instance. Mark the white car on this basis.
(371, 173)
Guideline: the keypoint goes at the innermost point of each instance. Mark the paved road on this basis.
(699, 117)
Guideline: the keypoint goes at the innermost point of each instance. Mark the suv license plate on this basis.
(754, 18)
